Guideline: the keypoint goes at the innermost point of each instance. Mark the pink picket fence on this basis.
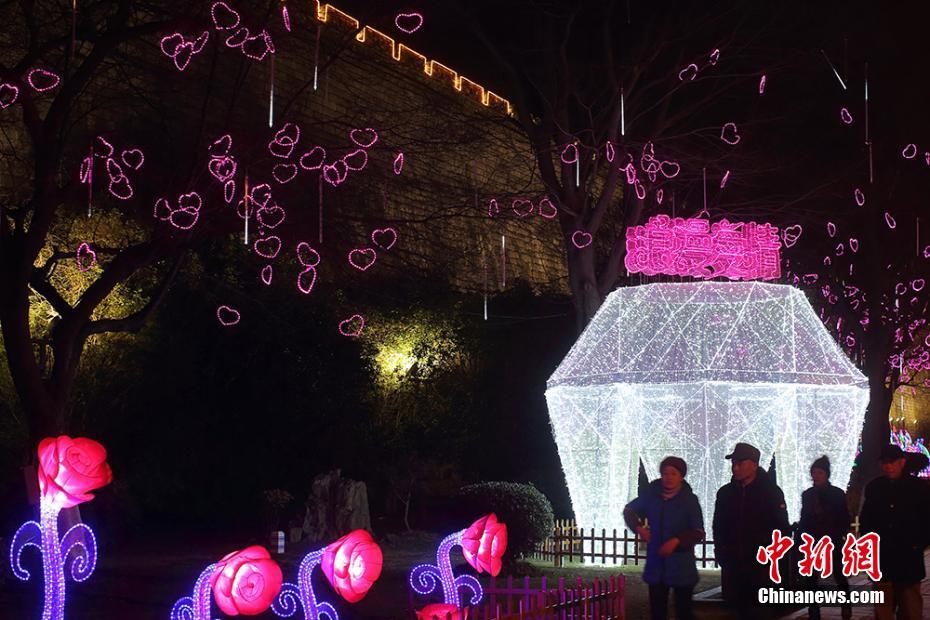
(601, 599)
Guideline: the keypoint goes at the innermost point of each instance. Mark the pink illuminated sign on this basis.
(695, 247)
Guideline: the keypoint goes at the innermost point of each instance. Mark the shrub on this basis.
(522, 507)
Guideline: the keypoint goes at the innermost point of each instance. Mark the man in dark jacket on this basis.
(897, 508)
(746, 512)
(675, 525)
(824, 513)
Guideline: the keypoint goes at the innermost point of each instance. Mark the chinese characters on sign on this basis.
(859, 555)
(695, 247)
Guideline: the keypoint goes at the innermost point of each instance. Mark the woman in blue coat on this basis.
(673, 525)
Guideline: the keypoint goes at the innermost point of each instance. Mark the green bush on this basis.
(522, 507)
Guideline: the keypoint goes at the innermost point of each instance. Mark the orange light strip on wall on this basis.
(400, 52)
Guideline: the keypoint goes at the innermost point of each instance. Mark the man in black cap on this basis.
(746, 512)
(897, 508)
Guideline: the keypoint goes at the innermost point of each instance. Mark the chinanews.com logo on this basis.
(859, 555)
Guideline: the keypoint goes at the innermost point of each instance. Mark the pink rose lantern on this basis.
(246, 582)
(352, 564)
(484, 543)
(442, 611)
(69, 469)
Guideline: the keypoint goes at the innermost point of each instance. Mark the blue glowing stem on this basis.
(450, 589)
(53, 607)
(313, 609)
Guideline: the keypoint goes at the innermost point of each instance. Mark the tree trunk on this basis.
(876, 428)
(583, 283)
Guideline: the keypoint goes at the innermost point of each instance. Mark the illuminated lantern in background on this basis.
(483, 545)
(690, 369)
(243, 583)
(351, 564)
(442, 611)
(69, 469)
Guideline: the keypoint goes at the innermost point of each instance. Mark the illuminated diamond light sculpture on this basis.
(690, 369)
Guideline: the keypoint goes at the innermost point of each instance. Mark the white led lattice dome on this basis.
(689, 369)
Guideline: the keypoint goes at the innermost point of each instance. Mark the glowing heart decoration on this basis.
(222, 168)
(313, 159)
(352, 326)
(399, 163)
(365, 138)
(102, 148)
(831, 229)
(132, 158)
(267, 274)
(257, 47)
(729, 134)
(854, 244)
(640, 190)
(229, 191)
(267, 247)
(569, 154)
(791, 234)
(909, 152)
(86, 171)
(581, 239)
(306, 255)
(180, 49)
(306, 280)
(494, 209)
(522, 207)
(163, 209)
(547, 210)
(840, 249)
(859, 196)
(227, 316)
(762, 85)
(119, 186)
(356, 160)
(845, 116)
(284, 173)
(282, 145)
(362, 258)
(41, 80)
(224, 17)
(237, 38)
(408, 22)
(609, 151)
(688, 73)
(184, 218)
(384, 238)
(270, 217)
(221, 146)
(723, 181)
(918, 284)
(714, 57)
(890, 221)
(670, 169)
(260, 194)
(86, 257)
(335, 174)
(9, 93)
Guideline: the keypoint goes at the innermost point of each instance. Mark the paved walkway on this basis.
(867, 613)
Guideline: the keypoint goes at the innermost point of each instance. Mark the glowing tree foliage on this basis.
(689, 369)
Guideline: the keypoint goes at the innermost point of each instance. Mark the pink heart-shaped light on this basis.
(859, 197)
(237, 38)
(854, 244)
(364, 138)
(408, 22)
(670, 169)
(730, 134)
(909, 152)
(384, 238)
(547, 209)
(271, 217)
(313, 159)
(169, 44)
(522, 207)
(183, 55)
(845, 116)
(267, 274)
(569, 154)
(714, 56)
(306, 280)
(399, 163)
(688, 73)
(102, 148)
(224, 17)
(918, 284)
(306, 255)
(609, 151)
(723, 181)
(831, 229)
(890, 221)
(792, 234)
(220, 146)
(163, 209)
(494, 209)
(190, 200)
(284, 173)
(133, 158)
(227, 316)
(222, 168)
(120, 188)
(267, 247)
(86, 257)
(260, 194)
(114, 170)
(41, 80)
(86, 169)
(258, 47)
(9, 93)
(362, 258)
(229, 191)
(281, 150)
(581, 239)
(352, 326)
(335, 173)
(356, 160)
(660, 195)
(184, 219)
(200, 41)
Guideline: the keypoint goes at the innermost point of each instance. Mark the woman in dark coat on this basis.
(675, 525)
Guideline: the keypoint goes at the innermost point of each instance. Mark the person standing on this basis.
(675, 525)
(897, 508)
(746, 512)
(824, 513)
